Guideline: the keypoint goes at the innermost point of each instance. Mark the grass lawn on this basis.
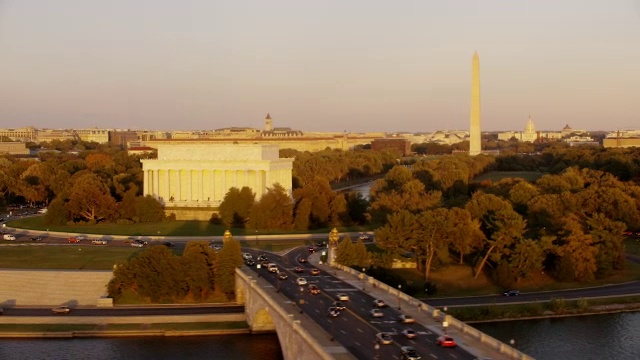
(171, 228)
(63, 257)
(496, 176)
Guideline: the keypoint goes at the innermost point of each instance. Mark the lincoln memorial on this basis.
(191, 177)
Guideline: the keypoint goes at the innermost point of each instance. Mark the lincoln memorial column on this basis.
(146, 183)
(156, 188)
(179, 187)
(201, 196)
(188, 180)
(167, 186)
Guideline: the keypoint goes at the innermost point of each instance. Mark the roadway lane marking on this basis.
(433, 356)
(344, 332)
(453, 356)
(356, 343)
(359, 330)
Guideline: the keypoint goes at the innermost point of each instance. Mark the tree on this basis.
(360, 255)
(302, 214)
(157, 274)
(229, 258)
(236, 206)
(432, 238)
(500, 224)
(199, 264)
(464, 232)
(89, 199)
(580, 248)
(339, 215)
(401, 229)
(345, 252)
(57, 213)
(274, 211)
(148, 209)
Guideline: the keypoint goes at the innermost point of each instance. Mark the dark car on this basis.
(311, 249)
(333, 312)
(168, 244)
(314, 290)
(283, 276)
(298, 269)
(339, 305)
(250, 262)
(302, 260)
(262, 257)
(511, 293)
(36, 238)
(314, 272)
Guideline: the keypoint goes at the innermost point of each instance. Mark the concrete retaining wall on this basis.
(52, 287)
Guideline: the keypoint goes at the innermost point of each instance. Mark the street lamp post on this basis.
(445, 323)
(363, 276)
(399, 289)
(376, 347)
(301, 301)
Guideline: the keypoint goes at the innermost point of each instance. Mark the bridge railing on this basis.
(441, 316)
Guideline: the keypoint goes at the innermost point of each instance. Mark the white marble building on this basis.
(198, 173)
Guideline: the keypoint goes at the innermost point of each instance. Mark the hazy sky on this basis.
(330, 65)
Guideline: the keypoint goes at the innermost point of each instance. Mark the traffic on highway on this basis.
(367, 327)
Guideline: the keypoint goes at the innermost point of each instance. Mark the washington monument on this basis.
(474, 131)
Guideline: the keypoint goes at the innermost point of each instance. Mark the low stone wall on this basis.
(52, 287)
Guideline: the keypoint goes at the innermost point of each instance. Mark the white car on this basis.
(379, 303)
(342, 297)
(9, 237)
(61, 310)
(363, 237)
(301, 281)
(99, 242)
(376, 313)
(409, 333)
(247, 256)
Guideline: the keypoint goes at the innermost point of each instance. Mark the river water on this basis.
(241, 347)
(613, 336)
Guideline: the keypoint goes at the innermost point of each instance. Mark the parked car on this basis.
(298, 269)
(409, 333)
(342, 297)
(314, 272)
(446, 341)
(384, 338)
(99, 242)
(61, 310)
(283, 276)
(406, 319)
(8, 237)
(376, 313)
(314, 289)
(409, 353)
(37, 238)
(511, 293)
(379, 303)
(301, 281)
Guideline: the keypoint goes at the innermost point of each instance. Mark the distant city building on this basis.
(400, 145)
(622, 139)
(529, 134)
(191, 178)
(122, 138)
(24, 134)
(14, 148)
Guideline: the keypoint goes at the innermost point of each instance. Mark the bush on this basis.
(558, 305)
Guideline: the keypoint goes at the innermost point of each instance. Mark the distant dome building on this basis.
(529, 134)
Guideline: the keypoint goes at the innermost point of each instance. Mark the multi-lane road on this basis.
(354, 328)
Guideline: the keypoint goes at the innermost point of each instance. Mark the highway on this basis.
(354, 328)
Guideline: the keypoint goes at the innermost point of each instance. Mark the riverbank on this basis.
(555, 308)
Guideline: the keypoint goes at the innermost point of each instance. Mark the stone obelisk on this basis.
(474, 131)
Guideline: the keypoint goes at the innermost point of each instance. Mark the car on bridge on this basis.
(333, 312)
(406, 319)
(298, 269)
(409, 353)
(302, 260)
(283, 276)
(314, 272)
(301, 281)
(314, 289)
(409, 333)
(376, 313)
(339, 305)
(446, 341)
(379, 303)
(384, 338)
(342, 297)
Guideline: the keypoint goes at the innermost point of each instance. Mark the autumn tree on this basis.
(89, 199)
(199, 262)
(274, 211)
(148, 209)
(229, 258)
(236, 206)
